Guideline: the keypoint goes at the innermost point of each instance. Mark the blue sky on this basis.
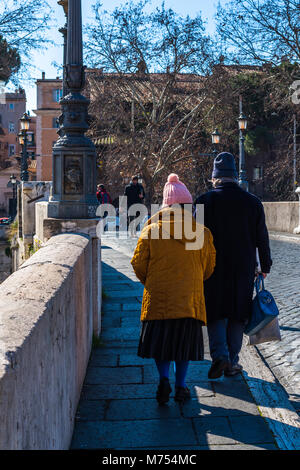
(43, 61)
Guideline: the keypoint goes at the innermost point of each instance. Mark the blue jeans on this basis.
(225, 339)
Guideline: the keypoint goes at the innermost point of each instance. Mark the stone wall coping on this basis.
(28, 292)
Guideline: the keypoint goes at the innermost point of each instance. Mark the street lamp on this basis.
(215, 138)
(13, 184)
(242, 122)
(25, 125)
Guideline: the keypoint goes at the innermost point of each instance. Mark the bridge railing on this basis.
(47, 318)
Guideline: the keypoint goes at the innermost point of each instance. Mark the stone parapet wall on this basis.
(46, 329)
(282, 216)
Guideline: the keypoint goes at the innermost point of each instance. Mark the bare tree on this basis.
(260, 30)
(153, 97)
(24, 24)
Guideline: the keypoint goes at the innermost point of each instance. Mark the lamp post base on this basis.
(71, 210)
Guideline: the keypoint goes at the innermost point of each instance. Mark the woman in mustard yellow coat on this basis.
(173, 257)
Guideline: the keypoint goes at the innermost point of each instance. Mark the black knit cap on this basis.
(224, 166)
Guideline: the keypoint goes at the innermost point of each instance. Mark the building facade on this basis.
(49, 93)
(12, 107)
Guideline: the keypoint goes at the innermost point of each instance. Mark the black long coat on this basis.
(132, 191)
(237, 222)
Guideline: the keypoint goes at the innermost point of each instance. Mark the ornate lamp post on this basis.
(74, 155)
(13, 184)
(25, 124)
(242, 120)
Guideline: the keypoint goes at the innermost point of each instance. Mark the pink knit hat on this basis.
(176, 192)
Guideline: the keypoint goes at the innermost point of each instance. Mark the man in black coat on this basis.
(135, 194)
(237, 221)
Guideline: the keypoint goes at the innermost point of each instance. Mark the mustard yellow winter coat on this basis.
(173, 275)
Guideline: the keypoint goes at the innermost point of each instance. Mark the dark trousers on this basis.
(225, 339)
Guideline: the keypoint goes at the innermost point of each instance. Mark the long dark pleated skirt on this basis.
(172, 340)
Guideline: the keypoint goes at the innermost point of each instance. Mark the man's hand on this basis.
(264, 274)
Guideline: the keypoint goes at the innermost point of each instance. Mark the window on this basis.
(11, 150)
(31, 155)
(11, 127)
(55, 123)
(257, 173)
(57, 95)
(11, 106)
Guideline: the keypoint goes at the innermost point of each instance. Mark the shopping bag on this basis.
(270, 332)
(264, 308)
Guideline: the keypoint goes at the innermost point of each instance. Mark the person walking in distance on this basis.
(102, 195)
(135, 194)
(237, 221)
(173, 308)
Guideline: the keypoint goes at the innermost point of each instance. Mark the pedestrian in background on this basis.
(102, 195)
(173, 309)
(237, 221)
(135, 194)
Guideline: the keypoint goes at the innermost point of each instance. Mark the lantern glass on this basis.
(21, 139)
(25, 122)
(242, 122)
(215, 137)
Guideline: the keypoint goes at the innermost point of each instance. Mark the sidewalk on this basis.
(284, 282)
(118, 409)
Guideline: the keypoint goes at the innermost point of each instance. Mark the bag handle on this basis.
(259, 283)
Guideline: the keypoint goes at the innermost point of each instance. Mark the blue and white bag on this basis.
(264, 308)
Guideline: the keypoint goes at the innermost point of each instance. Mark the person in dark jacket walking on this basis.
(135, 194)
(236, 220)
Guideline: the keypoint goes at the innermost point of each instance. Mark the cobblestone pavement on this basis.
(118, 409)
(284, 283)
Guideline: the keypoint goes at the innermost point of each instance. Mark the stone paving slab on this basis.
(118, 409)
(130, 410)
(216, 406)
(133, 434)
(250, 429)
(113, 334)
(103, 360)
(113, 375)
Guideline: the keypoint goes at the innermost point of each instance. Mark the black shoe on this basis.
(233, 370)
(163, 391)
(182, 394)
(218, 367)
